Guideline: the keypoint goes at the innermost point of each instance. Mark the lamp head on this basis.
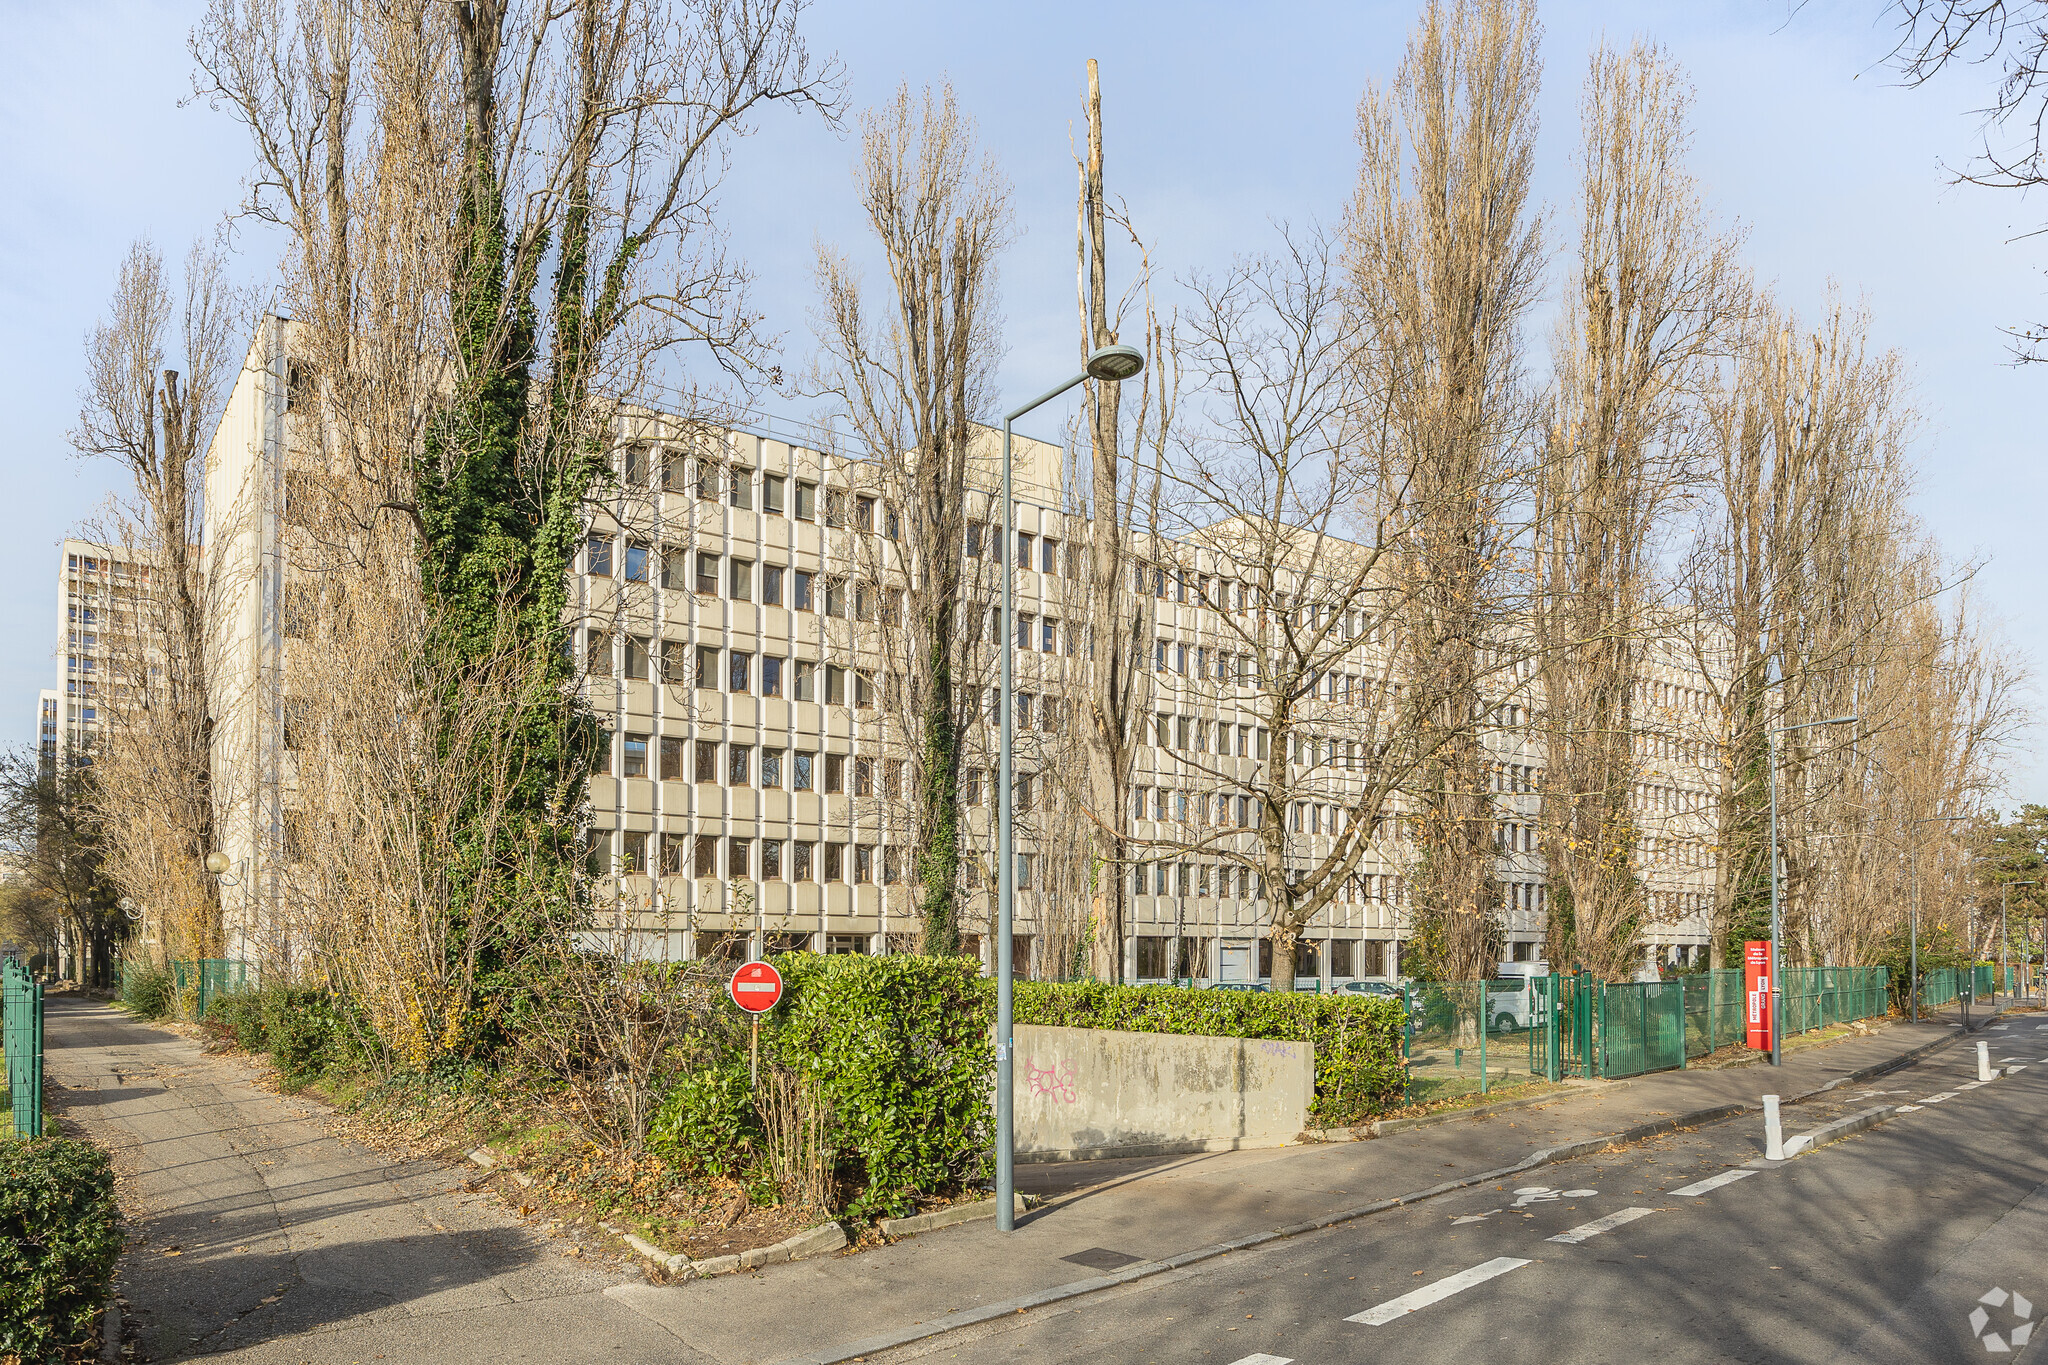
(216, 862)
(1115, 362)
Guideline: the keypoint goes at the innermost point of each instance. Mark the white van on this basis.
(1510, 1003)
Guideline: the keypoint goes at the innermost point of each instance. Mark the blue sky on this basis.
(1222, 120)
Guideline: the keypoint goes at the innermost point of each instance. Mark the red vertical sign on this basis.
(1756, 971)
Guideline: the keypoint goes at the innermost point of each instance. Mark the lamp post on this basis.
(2004, 939)
(1777, 994)
(1110, 364)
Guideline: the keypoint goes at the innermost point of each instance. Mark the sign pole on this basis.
(755, 1050)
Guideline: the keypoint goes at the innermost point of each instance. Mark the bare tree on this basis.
(1651, 292)
(912, 383)
(1444, 265)
(148, 411)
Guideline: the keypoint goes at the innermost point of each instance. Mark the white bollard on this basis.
(1774, 1136)
(1984, 1071)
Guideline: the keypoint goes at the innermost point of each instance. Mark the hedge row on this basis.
(60, 1232)
(1360, 1069)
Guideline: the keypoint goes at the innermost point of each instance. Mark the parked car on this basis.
(1386, 990)
(1237, 986)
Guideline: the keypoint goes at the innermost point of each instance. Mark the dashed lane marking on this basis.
(1599, 1225)
(1261, 1358)
(1712, 1182)
(1908, 1108)
(1937, 1099)
(1385, 1313)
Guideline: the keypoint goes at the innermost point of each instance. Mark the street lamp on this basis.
(1110, 364)
(1777, 994)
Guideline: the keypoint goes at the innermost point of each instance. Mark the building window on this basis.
(707, 573)
(771, 676)
(635, 757)
(1049, 636)
(800, 591)
(835, 507)
(741, 677)
(771, 585)
(771, 768)
(835, 685)
(671, 759)
(707, 855)
(835, 597)
(633, 852)
(672, 848)
(771, 494)
(742, 579)
(1024, 630)
(739, 859)
(803, 687)
(856, 944)
(741, 764)
(636, 562)
(807, 502)
(864, 514)
(1048, 556)
(863, 777)
(707, 760)
(1024, 862)
(835, 774)
(863, 863)
(708, 480)
(771, 860)
(741, 482)
(835, 862)
(800, 771)
(800, 860)
(597, 559)
(636, 658)
(597, 654)
(889, 866)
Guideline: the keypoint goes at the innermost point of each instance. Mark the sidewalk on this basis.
(1110, 1221)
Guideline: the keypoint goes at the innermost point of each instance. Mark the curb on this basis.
(1388, 1127)
(946, 1217)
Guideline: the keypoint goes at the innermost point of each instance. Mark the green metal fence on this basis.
(1815, 997)
(21, 1038)
(1940, 986)
(1642, 1027)
(210, 976)
(1714, 1015)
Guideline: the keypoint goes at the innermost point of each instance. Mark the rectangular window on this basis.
(739, 765)
(707, 666)
(835, 862)
(863, 777)
(771, 494)
(1048, 556)
(771, 676)
(742, 674)
(771, 585)
(890, 871)
(740, 481)
(635, 758)
(1024, 862)
(739, 858)
(1024, 549)
(971, 787)
(673, 476)
(864, 514)
(603, 764)
(1152, 957)
(675, 565)
(807, 502)
(974, 540)
(835, 597)
(597, 559)
(835, 773)
(633, 852)
(707, 573)
(1024, 631)
(863, 863)
(707, 760)
(804, 686)
(1049, 636)
(707, 855)
(835, 685)
(800, 591)
(771, 860)
(636, 562)
(673, 847)
(835, 507)
(671, 759)
(1023, 715)
(800, 771)
(892, 525)
(742, 579)
(800, 860)
(863, 692)
(771, 768)
(637, 651)
(597, 654)
(708, 480)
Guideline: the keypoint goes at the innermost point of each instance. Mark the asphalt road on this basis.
(1880, 1247)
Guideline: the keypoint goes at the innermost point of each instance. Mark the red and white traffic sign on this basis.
(756, 987)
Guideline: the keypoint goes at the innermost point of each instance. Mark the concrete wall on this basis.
(1087, 1093)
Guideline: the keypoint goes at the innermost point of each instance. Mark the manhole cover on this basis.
(1101, 1258)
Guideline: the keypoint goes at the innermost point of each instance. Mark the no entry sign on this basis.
(756, 987)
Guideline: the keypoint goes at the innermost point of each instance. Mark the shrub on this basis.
(708, 1122)
(147, 990)
(303, 1027)
(1360, 1069)
(236, 1017)
(60, 1232)
(899, 1051)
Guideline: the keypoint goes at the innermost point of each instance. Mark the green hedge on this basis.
(301, 1027)
(901, 1049)
(1360, 1070)
(60, 1232)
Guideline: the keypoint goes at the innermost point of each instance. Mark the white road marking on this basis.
(1261, 1358)
(1712, 1182)
(1434, 1293)
(1474, 1218)
(1599, 1225)
(1971, 1085)
(2017, 1066)
(1907, 1108)
(1937, 1099)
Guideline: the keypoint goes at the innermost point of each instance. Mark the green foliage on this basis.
(708, 1122)
(147, 990)
(899, 1049)
(236, 1017)
(1358, 1039)
(305, 1029)
(60, 1232)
